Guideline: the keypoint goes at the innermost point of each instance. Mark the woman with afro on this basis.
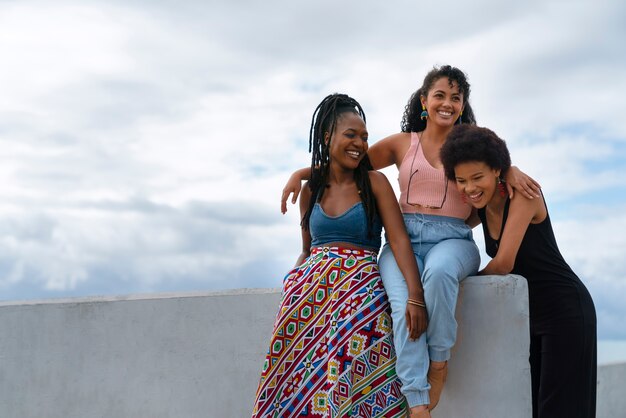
(520, 240)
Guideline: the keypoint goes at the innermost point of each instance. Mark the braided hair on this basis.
(411, 120)
(323, 124)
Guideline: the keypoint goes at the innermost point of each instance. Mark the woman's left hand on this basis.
(416, 320)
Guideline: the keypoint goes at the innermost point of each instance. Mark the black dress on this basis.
(562, 325)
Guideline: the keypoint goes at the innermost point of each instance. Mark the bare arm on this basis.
(305, 198)
(389, 151)
(522, 182)
(398, 239)
(294, 185)
(522, 212)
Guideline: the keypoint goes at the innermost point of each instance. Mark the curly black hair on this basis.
(323, 123)
(411, 121)
(470, 143)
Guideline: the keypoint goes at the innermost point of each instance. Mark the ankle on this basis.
(419, 408)
(438, 365)
(420, 411)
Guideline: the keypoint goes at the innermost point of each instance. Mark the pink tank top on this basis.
(430, 193)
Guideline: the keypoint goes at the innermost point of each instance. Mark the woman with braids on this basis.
(438, 222)
(520, 240)
(331, 353)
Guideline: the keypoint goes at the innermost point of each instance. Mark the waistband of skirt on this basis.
(432, 218)
(344, 252)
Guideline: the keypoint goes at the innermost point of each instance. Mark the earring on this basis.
(501, 187)
(460, 117)
(424, 113)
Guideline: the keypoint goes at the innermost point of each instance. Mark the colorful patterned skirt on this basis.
(331, 353)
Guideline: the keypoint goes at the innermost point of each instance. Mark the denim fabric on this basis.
(350, 226)
(446, 254)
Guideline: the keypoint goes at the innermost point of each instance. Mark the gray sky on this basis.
(145, 144)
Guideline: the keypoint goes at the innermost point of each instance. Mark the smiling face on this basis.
(348, 143)
(477, 181)
(443, 102)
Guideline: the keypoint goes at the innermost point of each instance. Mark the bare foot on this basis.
(420, 411)
(437, 374)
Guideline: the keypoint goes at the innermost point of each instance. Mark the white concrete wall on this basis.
(200, 354)
(611, 401)
(174, 356)
(489, 373)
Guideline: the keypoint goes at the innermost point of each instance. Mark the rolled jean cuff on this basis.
(435, 355)
(417, 398)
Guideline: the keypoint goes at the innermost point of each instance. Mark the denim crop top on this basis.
(350, 226)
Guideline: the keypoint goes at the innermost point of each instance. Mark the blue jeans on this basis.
(446, 254)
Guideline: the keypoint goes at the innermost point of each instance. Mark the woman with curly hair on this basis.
(331, 353)
(520, 240)
(439, 225)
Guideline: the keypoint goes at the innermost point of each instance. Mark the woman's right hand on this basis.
(516, 179)
(294, 185)
(416, 320)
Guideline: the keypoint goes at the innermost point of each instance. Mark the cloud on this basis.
(145, 145)
(64, 247)
(595, 250)
(573, 163)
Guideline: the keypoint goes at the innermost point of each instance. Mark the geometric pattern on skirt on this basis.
(331, 352)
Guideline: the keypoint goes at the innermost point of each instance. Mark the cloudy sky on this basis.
(145, 144)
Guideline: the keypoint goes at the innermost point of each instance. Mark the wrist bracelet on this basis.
(416, 303)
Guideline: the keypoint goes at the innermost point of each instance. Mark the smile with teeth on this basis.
(444, 113)
(475, 196)
(354, 154)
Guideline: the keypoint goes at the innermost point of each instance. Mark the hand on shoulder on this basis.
(535, 209)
